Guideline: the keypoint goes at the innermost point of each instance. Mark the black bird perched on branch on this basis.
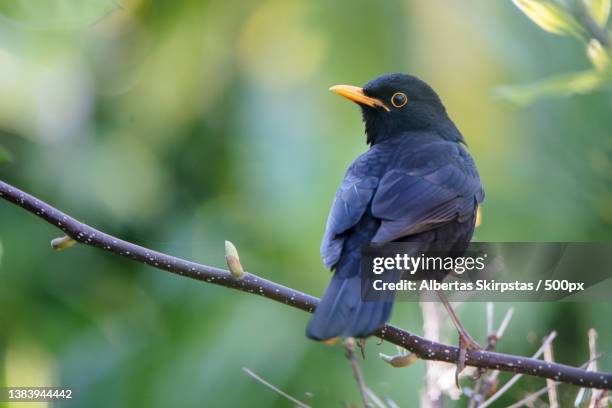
(416, 183)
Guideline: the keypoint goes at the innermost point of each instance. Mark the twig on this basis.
(490, 308)
(275, 389)
(601, 398)
(532, 397)
(482, 386)
(504, 324)
(431, 395)
(541, 391)
(592, 366)
(349, 344)
(423, 348)
(492, 380)
(517, 377)
(374, 398)
(491, 340)
(476, 392)
(551, 385)
(391, 403)
(592, 333)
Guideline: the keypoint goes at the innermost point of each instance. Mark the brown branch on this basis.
(423, 348)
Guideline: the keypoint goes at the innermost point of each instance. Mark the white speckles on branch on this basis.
(85, 234)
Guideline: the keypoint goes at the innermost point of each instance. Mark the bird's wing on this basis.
(352, 199)
(431, 187)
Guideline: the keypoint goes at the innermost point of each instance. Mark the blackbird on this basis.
(416, 183)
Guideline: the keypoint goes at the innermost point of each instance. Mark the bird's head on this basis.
(394, 104)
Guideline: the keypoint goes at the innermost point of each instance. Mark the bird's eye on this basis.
(399, 99)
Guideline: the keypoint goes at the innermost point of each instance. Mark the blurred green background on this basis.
(178, 125)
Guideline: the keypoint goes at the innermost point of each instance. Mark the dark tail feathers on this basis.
(341, 312)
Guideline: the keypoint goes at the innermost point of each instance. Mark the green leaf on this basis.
(55, 14)
(599, 56)
(599, 10)
(5, 155)
(550, 17)
(557, 86)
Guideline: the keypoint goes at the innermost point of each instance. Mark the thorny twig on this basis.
(250, 283)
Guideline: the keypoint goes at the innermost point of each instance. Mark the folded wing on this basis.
(350, 203)
(435, 186)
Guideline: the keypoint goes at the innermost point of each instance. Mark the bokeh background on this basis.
(178, 125)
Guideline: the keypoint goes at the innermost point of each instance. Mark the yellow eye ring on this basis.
(399, 99)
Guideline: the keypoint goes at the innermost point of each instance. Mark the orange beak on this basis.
(355, 94)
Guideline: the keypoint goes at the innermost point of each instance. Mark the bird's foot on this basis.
(361, 343)
(466, 342)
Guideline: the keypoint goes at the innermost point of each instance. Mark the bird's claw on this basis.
(466, 342)
(362, 343)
